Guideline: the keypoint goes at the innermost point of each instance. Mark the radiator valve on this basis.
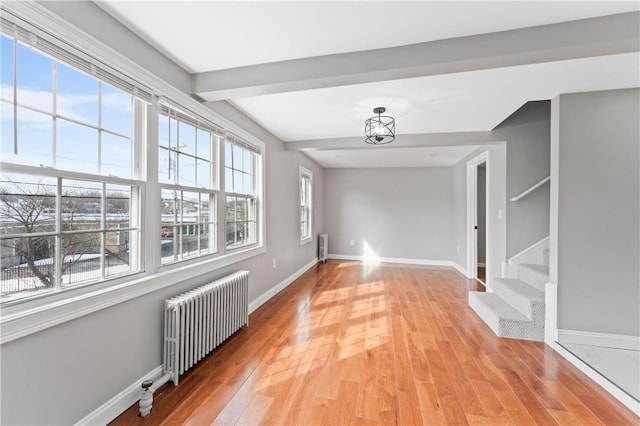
(146, 400)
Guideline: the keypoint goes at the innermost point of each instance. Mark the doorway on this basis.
(481, 223)
(477, 224)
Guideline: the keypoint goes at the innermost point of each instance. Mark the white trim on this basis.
(111, 409)
(554, 189)
(607, 340)
(550, 313)
(405, 261)
(260, 300)
(481, 264)
(631, 403)
(17, 322)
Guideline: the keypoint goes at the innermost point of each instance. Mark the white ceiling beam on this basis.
(608, 35)
(401, 141)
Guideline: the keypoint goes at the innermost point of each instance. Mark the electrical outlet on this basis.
(274, 263)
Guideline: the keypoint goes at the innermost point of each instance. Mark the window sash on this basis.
(92, 235)
(180, 228)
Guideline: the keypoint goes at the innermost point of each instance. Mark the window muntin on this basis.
(305, 205)
(186, 170)
(241, 225)
(58, 231)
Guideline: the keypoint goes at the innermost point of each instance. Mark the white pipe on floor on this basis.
(146, 399)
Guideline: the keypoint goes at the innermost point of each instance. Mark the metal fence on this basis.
(21, 278)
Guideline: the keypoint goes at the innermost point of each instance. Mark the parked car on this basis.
(165, 233)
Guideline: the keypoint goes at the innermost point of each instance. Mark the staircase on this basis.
(515, 309)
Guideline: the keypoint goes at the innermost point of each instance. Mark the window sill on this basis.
(306, 241)
(23, 319)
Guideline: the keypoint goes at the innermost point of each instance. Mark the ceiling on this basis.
(311, 72)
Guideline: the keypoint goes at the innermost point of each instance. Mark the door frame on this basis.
(472, 214)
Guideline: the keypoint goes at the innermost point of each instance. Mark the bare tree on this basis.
(29, 208)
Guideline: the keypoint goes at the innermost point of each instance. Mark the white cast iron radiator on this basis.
(195, 323)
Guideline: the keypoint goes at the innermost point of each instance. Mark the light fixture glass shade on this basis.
(381, 129)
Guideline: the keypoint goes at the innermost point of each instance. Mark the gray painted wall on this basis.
(527, 133)
(397, 212)
(60, 375)
(460, 212)
(599, 212)
(482, 212)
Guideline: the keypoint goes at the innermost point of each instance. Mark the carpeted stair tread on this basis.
(533, 274)
(504, 319)
(525, 298)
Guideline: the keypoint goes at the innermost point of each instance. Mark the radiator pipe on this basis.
(146, 399)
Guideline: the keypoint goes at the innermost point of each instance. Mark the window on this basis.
(69, 194)
(187, 175)
(305, 205)
(241, 190)
(81, 201)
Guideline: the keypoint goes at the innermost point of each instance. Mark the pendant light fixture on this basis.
(380, 129)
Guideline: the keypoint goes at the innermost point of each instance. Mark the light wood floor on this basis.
(355, 343)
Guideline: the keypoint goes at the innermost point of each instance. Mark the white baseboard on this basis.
(606, 340)
(260, 300)
(121, 402)
(615, 391)
(426, 262)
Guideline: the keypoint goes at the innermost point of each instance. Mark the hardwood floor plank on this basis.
(256, 410)
(379, 344)
(430, 404)
(490, 402)
(340, 411)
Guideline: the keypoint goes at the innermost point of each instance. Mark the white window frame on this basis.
(31, 315)
(209, 190)
(305, 176)
(135, 180)
(255, 198)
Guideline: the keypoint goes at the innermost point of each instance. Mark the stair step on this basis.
(503, 318)
(535, 275)
(526, 299)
